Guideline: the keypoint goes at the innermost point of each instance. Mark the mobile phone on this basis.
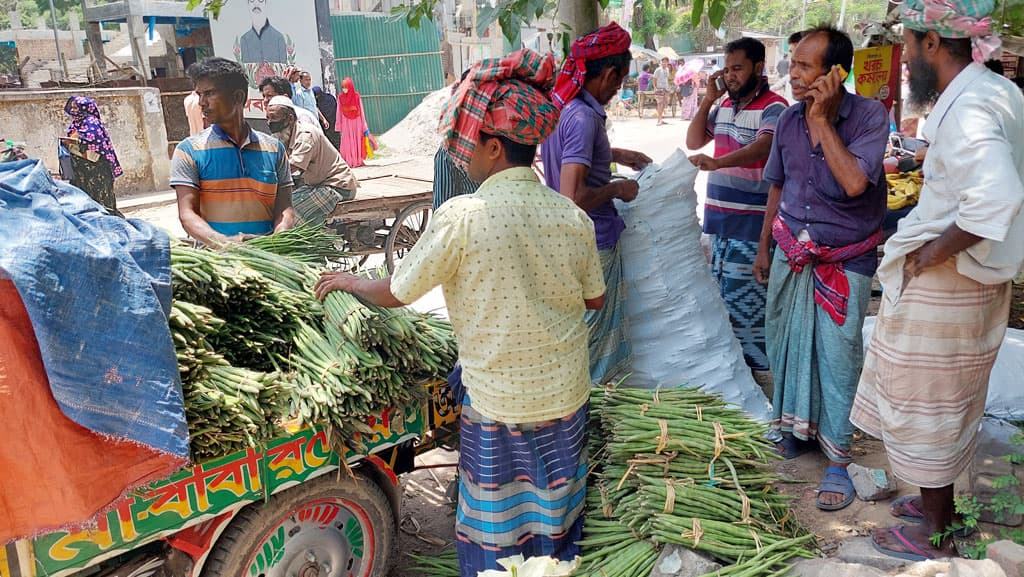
(720, 84)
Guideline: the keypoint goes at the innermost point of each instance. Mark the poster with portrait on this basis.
(267, 36)
(876, 73)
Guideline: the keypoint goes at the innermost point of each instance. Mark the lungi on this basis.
(522, 489)
(611, 355)
(732, 265)
(926, 373)
(816, 363)
(313, 204)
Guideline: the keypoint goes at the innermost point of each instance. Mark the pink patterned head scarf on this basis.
(956, 19)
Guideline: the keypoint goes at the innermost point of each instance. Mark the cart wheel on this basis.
(405, 231)
(329, 527)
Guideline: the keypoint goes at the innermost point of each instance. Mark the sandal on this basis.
(837, 480)
(790, 447)
(911, 552)
(905, 509)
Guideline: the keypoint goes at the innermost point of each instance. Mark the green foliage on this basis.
(210, 7)
(654, 19)
(1009, 14)
(1003, 505)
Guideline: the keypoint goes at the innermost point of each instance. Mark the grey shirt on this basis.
(267, 45)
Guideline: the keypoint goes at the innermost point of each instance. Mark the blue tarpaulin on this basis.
(97, 289)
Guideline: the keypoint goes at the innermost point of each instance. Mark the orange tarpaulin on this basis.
(56, 473)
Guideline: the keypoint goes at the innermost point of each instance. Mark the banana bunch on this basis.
(904, 189)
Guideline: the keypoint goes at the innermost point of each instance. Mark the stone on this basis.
(861, 550)
(679, 561)
(871, 484)
(972, 568)
(926, 569)
(832, 568)
(1009, 556)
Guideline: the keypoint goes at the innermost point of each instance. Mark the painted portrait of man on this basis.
(262, 42)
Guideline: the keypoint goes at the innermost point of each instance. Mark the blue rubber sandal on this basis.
(837, 480)
(790, 447)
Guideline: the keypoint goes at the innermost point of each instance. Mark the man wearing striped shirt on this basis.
(233, 182)
(742, 127)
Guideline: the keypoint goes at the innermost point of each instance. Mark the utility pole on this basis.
(842, 15)
(56, 41)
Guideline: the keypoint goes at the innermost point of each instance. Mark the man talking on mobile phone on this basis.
(825, 209)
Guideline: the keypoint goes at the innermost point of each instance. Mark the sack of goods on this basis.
(679, 326)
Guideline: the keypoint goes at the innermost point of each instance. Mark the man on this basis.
(450, 179)
(781, 86)
(193, 112)
(262, 42)
(946, 271)
(577, 163)
(742, 128)
(327, 104)
(518, 265)
(272, 86)
(302, 90)
(662, 89)
(643, 81)
(322, 179)
(825, 208)
(232, 182)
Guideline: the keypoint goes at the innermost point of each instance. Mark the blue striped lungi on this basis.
(611, 355)
(522, 488)
(732, 265)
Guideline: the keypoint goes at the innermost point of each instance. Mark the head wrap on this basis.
(85, 122)
(348, 102)
(607, 41)
(956, 19)
(504, 97)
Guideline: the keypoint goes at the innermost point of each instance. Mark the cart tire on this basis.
(406, 230)
(329, 527)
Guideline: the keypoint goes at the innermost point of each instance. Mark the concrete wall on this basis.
(133, 116)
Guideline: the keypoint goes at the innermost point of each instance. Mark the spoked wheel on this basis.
(328, 527)
(406, 230)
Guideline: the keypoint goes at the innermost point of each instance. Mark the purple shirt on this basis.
(581, 139)
(812, 199)
(643, 82)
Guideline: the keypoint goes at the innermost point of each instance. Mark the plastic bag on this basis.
(679, 326)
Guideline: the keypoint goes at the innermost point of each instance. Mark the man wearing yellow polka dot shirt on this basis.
(519, 266)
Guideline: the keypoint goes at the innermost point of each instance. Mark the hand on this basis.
(333, 281)
(825, 95)
(242, 237)
(626, 189)
(713, 93)
(631, 158)
(704, 162)
(916, 262)
(762, 266)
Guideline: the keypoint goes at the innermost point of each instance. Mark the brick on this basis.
(1009, 556)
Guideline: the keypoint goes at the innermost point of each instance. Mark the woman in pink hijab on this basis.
(351, 124)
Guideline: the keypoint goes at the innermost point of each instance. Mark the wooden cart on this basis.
(388, 215)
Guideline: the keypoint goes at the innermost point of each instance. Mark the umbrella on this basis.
(689, 70)
(668, 52)
(639, 51)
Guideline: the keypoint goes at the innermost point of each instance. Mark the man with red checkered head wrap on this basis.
(577, 163)
(519, 267)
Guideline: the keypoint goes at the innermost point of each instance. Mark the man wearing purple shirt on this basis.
(577, 163)
(825, 209)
